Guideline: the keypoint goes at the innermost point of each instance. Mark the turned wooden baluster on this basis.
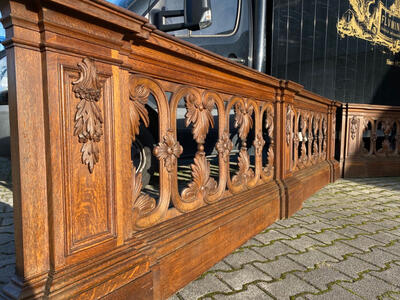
(374, 136)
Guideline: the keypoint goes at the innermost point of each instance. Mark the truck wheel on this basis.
(142, 157)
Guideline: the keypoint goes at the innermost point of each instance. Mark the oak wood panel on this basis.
(101, 232)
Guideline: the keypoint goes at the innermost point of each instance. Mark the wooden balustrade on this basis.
(371, 141)
(87, 80)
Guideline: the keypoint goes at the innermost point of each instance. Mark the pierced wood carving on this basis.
(243, 118)
(288, 124)
(354, 126)
(142, 203)
(202, 185)
(199, 114)
(245, 173)
(137, 109)
(168, 150)
(269, 125)
(259, 143)
(224, 146)
(88, 117)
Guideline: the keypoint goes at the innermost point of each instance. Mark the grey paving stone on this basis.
(322, 276)
(328, 236)
(319, 226)
(335, 293)
(279, 267)
(220, 266)
(391, 275)
(289, 222)
(201, 287)
(251, 242)
(372, 227)
(245, 255)
(253, 292)
(290, 286)
(393, 249)
(268, 237)
(351, 231)
(363, 243)
(369, 287)
(302, 243)
(236, 279)
(311, 258)
(295, 231)
(339, 250)
(377, 257)
(274, 250)
(352, 266)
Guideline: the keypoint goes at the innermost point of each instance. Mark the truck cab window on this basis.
(225, 18)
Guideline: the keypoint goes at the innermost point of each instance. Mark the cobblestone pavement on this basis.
(343, 244)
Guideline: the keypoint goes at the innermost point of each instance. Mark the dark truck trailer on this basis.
(346, 50)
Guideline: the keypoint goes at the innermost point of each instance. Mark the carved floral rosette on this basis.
(88, 117)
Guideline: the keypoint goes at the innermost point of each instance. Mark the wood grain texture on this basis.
(86, 226)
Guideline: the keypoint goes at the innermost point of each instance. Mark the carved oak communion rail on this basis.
(371, 138)
(86, 79)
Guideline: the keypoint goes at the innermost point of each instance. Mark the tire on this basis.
(141, 152)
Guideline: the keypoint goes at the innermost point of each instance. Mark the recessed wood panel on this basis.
(89, 196)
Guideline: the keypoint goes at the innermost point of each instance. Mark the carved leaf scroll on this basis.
(88, 117)
(288, 124)
(354, 125)
(137, 108)
(168, 150)
(245, 173)
(243, 118)
(143, 203)
(202, 184)
(199, 114)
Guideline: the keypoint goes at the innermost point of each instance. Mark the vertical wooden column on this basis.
(28, 155)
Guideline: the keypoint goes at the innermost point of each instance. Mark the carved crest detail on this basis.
(224, 146)
(88, 117)
(199, 114)
(168, 150)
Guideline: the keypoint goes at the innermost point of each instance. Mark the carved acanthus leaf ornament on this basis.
(288, 124)
(199, 114)
(88, 117)
(137, 109)
(168, 150)
(354, 125)
(202, 184)
(142, 203)
(224, 146)
(259, 144)
(245, 173)
(243, 118)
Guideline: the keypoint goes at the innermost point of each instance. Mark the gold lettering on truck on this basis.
(371, 20)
